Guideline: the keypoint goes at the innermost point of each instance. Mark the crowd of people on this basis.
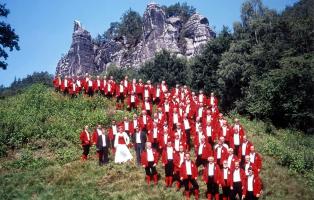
(174, 125)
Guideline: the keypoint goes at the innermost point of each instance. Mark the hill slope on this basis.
(40, 135)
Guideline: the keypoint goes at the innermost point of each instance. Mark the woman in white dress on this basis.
(121, 143)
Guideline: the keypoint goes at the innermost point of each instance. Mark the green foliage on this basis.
(166, 67)
(129, 28)
(179, 10)
(8, 38)
(28, 162)
(41, 113)
(204, 67)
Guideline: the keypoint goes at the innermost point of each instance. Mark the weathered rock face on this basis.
(159, 33)
(80, 58)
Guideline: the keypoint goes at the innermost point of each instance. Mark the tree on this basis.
(8, 38)
(204, 67)
(131, 27)
(166, 67)
(180, 10)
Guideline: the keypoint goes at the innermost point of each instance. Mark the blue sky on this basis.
(45, 26)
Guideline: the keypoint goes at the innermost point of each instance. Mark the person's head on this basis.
(200, 129)
(178, 126)
(222, 139)
(208, 122)
(65, 76)
(156, 115)
(135, 116)
(247, 158)
(134, 80)
(113, 122)
(177, 136)
(212, 94)
(163, 82)
(146, 99)
(252, 149)
(236, 164)
(155, 124)
(201, 92)
(203, 139)
(236, 121)
(126, 118)
(120, 129)
(250, 170)
(211, 159)
(225, 164)
(143, 112)
(159, 110)
(198, 119)
(86, 128)
(126, 78)
(148, 145)
(181, 148)
(187, 156)
(230, 151)
(105, 77)
(169, 144)
(208, 112)
(175, 110)
(244, 138)
(98, 126)
(97, 77)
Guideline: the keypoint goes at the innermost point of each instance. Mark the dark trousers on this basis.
(250, 196)
(192, 181)
(150, 169)
(236, 150)
(226, 189)
(86, 150)
(212, 187)
(157, 101)
(188, 137)
(103, 155)
(120, 98)
(200, 161)
(155, 144)
(139, 147)
(90, 91)
(65, 91)
(132, 107)
(169, 168)
(242, 163)
(237, 189)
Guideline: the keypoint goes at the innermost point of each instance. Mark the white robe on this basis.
(123, 153)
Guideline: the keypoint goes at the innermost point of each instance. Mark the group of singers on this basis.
(180, 121)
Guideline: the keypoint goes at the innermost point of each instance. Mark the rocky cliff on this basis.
(159, 32)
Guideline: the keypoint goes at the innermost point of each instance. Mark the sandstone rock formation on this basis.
(159, 32)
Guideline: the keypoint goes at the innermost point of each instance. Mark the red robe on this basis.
(183, 172)
(144, 161)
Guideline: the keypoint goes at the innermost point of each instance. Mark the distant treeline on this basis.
(19, 85)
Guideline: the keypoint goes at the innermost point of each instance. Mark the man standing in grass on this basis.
(86, 142)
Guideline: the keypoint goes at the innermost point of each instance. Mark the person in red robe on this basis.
(213, 179)
(86, 142)
(168, 155)
(149, 160)
(252, 186)
(188, 175)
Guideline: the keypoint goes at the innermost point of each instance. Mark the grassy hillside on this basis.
(40, 149)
